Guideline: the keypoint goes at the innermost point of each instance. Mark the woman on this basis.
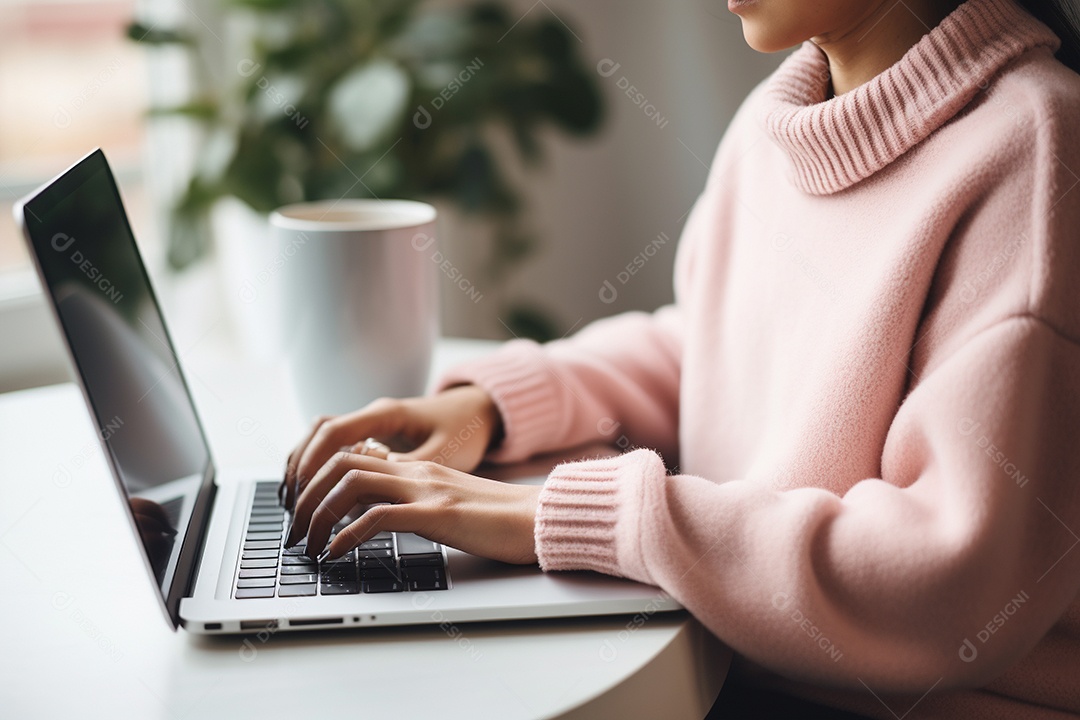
(867, 390)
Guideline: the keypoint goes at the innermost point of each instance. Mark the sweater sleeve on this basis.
(943, 571)
(616, 379)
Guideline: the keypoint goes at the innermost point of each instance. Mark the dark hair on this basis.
(1060, 16)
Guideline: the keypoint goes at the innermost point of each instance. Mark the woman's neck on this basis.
(874, 42)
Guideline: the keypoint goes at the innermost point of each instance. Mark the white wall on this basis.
(600, 202)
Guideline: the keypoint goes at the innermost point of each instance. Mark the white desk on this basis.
(82, 635)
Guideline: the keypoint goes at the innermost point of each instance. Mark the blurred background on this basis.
(563, 143)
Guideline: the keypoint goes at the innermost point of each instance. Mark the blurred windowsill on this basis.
(33, 354)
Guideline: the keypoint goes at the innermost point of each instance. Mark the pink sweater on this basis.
(867, 390)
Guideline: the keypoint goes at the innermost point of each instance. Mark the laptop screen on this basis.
(92, 271)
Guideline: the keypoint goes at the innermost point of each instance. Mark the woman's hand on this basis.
(453, 428)
(482, 517)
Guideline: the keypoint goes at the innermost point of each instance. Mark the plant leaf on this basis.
(262, 4)
(152, 35)
(573, 103)
(196, 110)
(530, 322)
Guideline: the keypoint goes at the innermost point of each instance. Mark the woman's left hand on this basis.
(479, 516)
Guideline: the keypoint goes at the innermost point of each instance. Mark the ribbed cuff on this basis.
(589, 515)
(526, 393)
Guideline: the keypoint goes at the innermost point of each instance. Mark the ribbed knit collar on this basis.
(835, 143)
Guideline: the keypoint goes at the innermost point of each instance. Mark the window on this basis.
(70, 81)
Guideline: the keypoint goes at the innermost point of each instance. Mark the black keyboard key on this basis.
(297, 590)
(260, 554)
(425, 578)
(265, 514)
(297, 560)
(258, 572)
(260, 563)
(267, 592)
(338, 577)
(255, 583)
(372, 563)
(299, 579)
(379, 573)
(261, 544)
(382, 586)
(340, 588)
(338, 568)
(299, 569)
(385, 535)
(256, 526)
(429, 560)
(376, 545)
(298, 549)
(374, 554)
(410, 544)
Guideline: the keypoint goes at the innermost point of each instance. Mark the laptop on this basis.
(212, 544)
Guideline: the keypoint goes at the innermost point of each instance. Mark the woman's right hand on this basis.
(454, 428)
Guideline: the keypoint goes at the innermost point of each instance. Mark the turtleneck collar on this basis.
(835, 143)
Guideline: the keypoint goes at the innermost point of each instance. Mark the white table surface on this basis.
(82, 634)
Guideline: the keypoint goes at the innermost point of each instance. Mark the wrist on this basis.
(482, 406)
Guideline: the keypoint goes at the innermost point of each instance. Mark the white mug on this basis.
(360, 312)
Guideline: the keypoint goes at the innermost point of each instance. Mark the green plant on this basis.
(382, 98)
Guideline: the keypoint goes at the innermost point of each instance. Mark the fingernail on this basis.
(323, 555)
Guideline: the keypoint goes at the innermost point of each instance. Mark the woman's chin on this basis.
(764, 41)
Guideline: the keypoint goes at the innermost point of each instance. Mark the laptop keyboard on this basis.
(388, 562)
